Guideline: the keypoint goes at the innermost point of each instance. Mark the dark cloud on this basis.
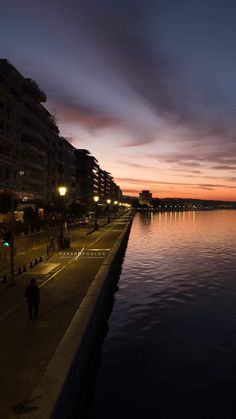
(138, 141)
(122, 30)
(190, 164)
(184, 184)
(186, 171)
(135, 165)
(223, 154)
(224, 167)
(84, 116)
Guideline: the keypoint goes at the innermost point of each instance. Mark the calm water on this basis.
(171, 347)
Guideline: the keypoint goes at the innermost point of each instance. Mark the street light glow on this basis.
(62, 190)
(115, 202)
(96, 198)
(108, 201)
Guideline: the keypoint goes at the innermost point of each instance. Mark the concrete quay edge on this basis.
(60, 392)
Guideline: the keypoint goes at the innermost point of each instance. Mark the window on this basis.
(7, 173)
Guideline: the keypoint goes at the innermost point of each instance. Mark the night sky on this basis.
(147, 86)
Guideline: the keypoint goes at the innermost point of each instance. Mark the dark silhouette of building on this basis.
(145, 197)
(93, 181)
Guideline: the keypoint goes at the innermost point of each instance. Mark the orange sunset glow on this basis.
(156, 107)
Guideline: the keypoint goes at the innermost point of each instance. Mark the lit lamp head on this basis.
(115, 202)
(108, 201)
(96, 198)
(62, 190)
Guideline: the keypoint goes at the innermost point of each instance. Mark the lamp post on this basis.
(115, 209)
(96, 199)
(12, 254)
(108, 210)
(62, 192)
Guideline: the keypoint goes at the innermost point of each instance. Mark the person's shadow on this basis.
(23, 406)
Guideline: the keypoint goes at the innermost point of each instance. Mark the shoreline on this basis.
(62, 388)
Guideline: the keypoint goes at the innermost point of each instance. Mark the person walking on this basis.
(32, 294)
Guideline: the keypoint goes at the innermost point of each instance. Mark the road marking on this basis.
(11, 310)
(51, 277)
(100, 237)
(92, 257)
(99, 250)
(79, 254)
(117, 229)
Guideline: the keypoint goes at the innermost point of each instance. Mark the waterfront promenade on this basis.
(27, 346)
(29, 247)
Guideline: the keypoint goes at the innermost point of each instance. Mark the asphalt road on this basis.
(32, 246)
(28, 346)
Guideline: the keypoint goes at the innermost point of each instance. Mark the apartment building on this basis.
(93, 180)
(87, 176)
(34, 158)
(10, 131)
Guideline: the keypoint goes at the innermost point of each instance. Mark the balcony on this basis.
(33, 165)
(52, 124)
(34, 149)
(35, 181)
(7, 138)
(30, 87)
(31, 134)
(7, 161)
(29, 117)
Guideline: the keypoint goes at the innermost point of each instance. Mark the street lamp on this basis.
(62, 192)
(96, 199)
(116, 209)
(108, 210)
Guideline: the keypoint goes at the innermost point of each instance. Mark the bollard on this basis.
(4, 279)
(24, 269)
(35, 261)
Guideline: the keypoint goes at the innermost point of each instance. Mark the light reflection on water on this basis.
(171, 347)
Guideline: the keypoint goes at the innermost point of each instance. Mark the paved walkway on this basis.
(33, 246)
(28, 346)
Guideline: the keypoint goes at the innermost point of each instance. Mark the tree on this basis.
(30, 219)
(5, 203)
(77, 210)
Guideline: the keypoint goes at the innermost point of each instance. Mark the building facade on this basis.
(34, 158)
(94, 181)
(145, 197)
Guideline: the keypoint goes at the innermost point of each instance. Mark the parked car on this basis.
(83, 220)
